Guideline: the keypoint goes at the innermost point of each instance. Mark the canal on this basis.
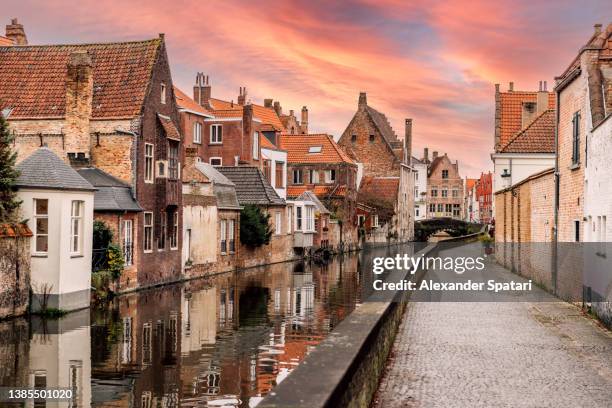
(220, 341)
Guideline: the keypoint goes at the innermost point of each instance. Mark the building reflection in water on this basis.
(220, 341)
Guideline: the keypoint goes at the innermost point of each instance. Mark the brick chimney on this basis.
(363, 100)
(79, 94)
(542, 101)
(201, 89)
(434, 156)
(247, 134)
(408, 140)
(242, 96)
(268, 103)
(277, 108)
(426, 155)
(304, 121)
(15, 32)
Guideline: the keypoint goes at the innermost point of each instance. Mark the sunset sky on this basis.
(434, 61)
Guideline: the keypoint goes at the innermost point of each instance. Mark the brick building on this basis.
(484, 196)
(317, 164)
(371, 142)
(72, 98)
(445, 194)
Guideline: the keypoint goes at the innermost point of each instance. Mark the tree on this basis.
(8, 175)
(255, 229)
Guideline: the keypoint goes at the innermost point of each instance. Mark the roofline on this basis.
(204, 115)
(25, 187)
(115, 209)
(155, 39)
(534, 176)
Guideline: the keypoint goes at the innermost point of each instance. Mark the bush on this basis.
(115, 261)
(255, 229)
(9, 203)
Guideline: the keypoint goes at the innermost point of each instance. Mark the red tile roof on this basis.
(319, 190)
(538, 137)
(33, 78)
(512, 111)
(5, 41)
(14, 230)
(385, 188)
(265, 115)
(185, 102)
(469, 183)
(171, 131)
(298, 149)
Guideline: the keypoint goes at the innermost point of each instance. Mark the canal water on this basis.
(221, 341)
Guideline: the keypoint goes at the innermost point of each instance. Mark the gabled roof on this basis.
(251, 185)
(213, 175)
(319, 190)
(223, 188)
(511, 119)
(44, 170)
(385, 188)
(267, 116)
(33, 78)
(383, 125)
(310, 196)
(537, 137)
(298, 149)
(111, 194)
(186, 103)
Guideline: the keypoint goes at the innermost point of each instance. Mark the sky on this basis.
(433, 61)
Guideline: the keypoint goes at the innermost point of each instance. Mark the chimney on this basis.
(201, 89)
(291, 113)
(79, 94)
(542, 99)
(247, 132)
(597, 28)
(304, 121)
(511, 87)
(363, 100)
(277, 108)
(408, 140)
(242, 96)
(268, 103)
(435, 155)
(426, 155)
(15, 32)
(497, 134)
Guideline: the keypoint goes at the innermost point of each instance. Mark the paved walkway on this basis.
(509, 354)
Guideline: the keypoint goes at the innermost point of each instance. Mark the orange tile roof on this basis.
(538, 137)
(298, 146)
(265, 115)
(5, 41)
(14, 230)
(265, 142)
(33, 78)
(185, 102)
(511, 111)
(319, 190)
(385, 188)
(469, 183)
(171, 131)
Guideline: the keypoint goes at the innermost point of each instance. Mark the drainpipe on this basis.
(555, 242)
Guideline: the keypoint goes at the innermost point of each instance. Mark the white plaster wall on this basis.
(420, 183)
(67, 273)
(277, 156)
(520, 166)
(202, 221)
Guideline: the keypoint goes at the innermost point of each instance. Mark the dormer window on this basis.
(163, 93)
(314, 149)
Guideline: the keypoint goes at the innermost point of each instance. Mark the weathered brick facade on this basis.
(14, 270)
(445, 188)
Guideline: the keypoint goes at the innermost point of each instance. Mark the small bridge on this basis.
(453, 227)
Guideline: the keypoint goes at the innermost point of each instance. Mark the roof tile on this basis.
(298, 149)
(538, 137)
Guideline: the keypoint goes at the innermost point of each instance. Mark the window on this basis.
(455, 193)
(416, 211)
(360, 220)
(278, 223)
(297, 176)
(576, 139)
(314, 176)
(289, 220)
(173, 161)
(416, 193)
(449, 208)
(310, 218)
(432, 208)
(577, 230)
(223, 236)
(444, 174)
(298, 218)
(440, 208)
(456, 210)
(256, 145)
(231, 231)
(372, 138)
(353, 138)
(267, 170)
(175, 230)
(280, 179)
(375, 221)
(127, 235)
(434, 191)
(148, 232)
(161, 168)
(315, 149)
(330, 176)
(41, 225)
(216, 161)
(163, 226)
(197, 132)
(216, 134)
(163, 93)
(76, 227)
(148, 163)
(444, 193)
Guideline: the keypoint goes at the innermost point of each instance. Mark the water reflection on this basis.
(223, 341)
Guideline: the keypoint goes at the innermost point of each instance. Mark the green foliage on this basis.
(102, 235)
(8, 175)
(255, 229)
(101, 282)
(115, 260)
(485, 239)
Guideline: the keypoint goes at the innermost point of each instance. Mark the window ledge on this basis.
(215, 143)
(40, 255)
(575, 166)
(76, 256)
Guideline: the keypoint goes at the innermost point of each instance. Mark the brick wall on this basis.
(452, 182)
(14, 275)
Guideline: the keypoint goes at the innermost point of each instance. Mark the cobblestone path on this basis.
(508, 354)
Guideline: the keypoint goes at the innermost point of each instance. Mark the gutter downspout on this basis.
(555, 243)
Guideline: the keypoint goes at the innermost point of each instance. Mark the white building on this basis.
(420, 188)
(58, 204)
(275, 166)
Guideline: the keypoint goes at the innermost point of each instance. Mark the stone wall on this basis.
(14, 271)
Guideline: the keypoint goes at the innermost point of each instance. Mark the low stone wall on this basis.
(14, 269)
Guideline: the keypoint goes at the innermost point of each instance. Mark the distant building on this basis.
(484, 196)
(471, 208)
(58, 204)
(445, 194)
(420, 188)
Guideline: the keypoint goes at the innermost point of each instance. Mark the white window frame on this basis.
(256, 145)
(147, 229)
(216, 134)
(289, 219)
(328, 176)
(361, 220)
(375, 220)
(310, 218)
(314, 176)
(299, 173)
(149, 162)
(231, 236)
(76, 227)
(197, 132)
(299, 218)
(36, 232)
(175, 231)
(210, 161)
(127, 241)
(223, 236)
(278, 223)
(163, 92)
